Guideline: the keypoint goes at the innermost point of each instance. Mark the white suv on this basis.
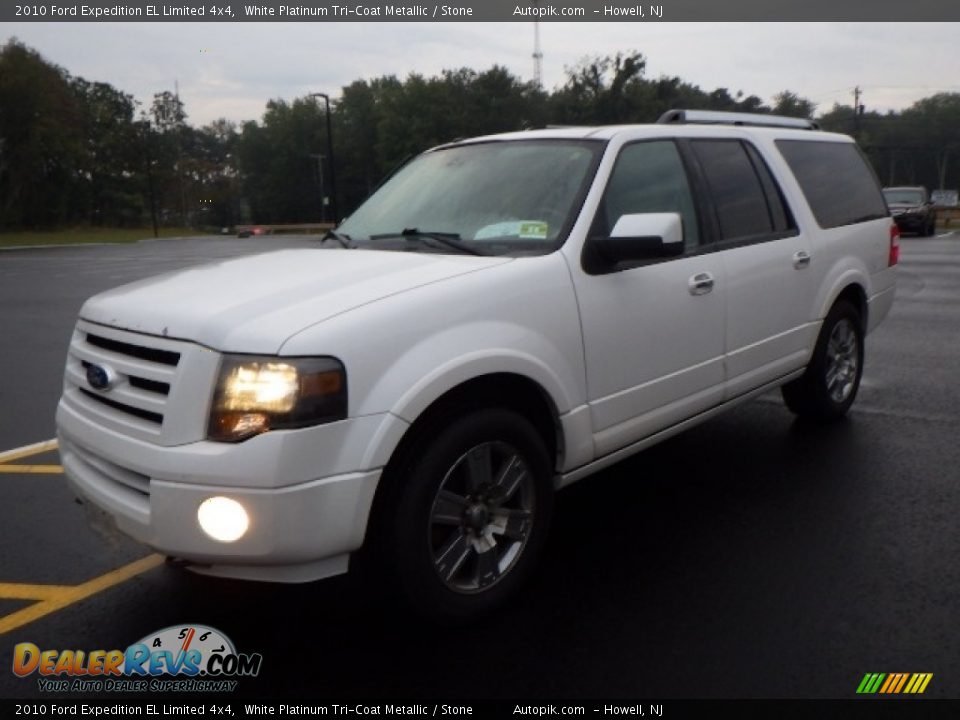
(504, 316)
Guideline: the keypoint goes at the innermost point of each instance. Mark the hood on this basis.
(254, 304)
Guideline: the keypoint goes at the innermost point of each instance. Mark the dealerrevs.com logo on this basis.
(180, 658)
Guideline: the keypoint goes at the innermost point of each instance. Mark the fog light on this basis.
(223, 519)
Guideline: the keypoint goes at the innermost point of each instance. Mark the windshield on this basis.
(496, 197)
(903, 197)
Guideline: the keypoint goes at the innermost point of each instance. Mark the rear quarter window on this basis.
(836, 180)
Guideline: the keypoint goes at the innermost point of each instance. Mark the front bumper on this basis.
(305, 518)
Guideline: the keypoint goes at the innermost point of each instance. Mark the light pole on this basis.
(333, 176)
(323, 197)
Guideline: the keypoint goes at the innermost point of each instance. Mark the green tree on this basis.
(790, 104)
(597, 90)
(41, 142)
(110, 161)
(278, 164)
(169, 134)
(939, 118)
(213, 173)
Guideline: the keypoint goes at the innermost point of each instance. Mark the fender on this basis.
(455, 372)
(849, 271)
(467, 367)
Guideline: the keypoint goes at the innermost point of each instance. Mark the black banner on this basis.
(169, 706)
(477, 10)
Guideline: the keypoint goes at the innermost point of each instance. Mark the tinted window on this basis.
(649, 177)
(737, 192)
(836, 180)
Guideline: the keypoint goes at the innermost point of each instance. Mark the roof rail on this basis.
(715, 117)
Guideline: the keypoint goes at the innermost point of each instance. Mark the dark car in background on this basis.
(912, 209)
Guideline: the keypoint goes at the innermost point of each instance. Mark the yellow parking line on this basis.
(28, 450)
(58, 597)
(22, 591)
(32, 469)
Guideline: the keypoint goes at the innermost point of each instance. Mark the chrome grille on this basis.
(152, 383)
(162, 357)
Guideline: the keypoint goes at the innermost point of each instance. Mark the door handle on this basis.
(700, 284)
(801, 259)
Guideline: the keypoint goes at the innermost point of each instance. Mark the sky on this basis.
(232, 69)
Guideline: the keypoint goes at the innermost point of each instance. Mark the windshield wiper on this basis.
(344, 240)
(451, 240)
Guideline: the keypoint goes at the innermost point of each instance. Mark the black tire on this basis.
(462, 554)
(931, 227)
(829, 386)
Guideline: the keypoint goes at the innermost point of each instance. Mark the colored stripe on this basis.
(64, 596)
(876, 683)
(886, 685)
(32, 469)
(862, 687)
(901, 682)
(911, 684)
(186, 640)
(28, 450)
(926, 681)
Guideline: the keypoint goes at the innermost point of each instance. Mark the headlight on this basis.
(257, 394)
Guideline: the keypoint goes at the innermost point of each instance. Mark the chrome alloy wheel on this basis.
(842, 361)
(481, 517)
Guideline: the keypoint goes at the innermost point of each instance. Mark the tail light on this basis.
(894, 256)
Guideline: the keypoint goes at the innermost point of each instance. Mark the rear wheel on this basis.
(829, 386)
(467, 517)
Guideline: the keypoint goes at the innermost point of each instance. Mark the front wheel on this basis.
(469, 514)
(829, 386)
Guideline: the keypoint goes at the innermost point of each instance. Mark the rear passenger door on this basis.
(766, 262)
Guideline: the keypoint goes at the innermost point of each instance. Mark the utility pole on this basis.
(537, 53)
(857, 111)
(333, 176)
(323, 197)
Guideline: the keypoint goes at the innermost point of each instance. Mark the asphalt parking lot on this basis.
(749, 557)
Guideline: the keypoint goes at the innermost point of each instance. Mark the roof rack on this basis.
(715, 117)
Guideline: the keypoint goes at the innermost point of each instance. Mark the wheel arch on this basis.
(854, 294)
(500, 389)
(850, 283)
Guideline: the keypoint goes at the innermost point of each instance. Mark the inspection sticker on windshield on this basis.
(524, 229)
(533, 230)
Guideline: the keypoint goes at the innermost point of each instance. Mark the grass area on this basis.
(79, 236)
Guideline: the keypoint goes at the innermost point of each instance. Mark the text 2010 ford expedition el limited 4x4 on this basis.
(504, 316)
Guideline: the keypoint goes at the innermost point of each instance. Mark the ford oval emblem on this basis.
(99, 377)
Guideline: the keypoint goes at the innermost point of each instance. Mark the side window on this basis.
(747, 200)
(836, 180)
(649, 177)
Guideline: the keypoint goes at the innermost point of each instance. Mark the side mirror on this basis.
(641, 237)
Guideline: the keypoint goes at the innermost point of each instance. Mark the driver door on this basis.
(653, 330)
